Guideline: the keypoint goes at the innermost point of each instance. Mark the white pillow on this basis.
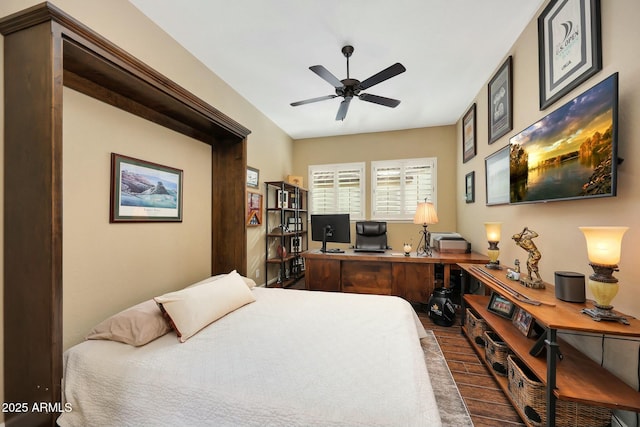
(193, 308)
(249, 282)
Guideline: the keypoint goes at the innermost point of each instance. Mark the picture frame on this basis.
(469, 134)
(501, 306)
(296, 244)
(496, 167)
(523, 321)
(569, 47)
(282, 199)
(254, 209)
(253, 177)
(470, 187)
(143, 191)
(500, 100)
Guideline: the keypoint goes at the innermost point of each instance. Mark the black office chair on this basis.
(371, 236)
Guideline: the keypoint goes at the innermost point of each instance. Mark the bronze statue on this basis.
(524, 240)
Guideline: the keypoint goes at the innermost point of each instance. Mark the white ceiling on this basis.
(264, 48)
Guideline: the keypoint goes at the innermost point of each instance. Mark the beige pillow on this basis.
(193, 308)
(249, 282)
(136, 325)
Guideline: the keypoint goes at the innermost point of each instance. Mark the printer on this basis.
(449, 242)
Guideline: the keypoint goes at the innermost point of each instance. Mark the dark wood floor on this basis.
(485, 400)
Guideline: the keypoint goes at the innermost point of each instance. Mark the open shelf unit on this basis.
(286, 232)
(575, 377)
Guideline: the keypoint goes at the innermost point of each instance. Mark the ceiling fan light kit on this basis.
(349, 88)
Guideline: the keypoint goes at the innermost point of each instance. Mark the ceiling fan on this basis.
(348, 88)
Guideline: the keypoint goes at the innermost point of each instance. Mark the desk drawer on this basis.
(365, 277)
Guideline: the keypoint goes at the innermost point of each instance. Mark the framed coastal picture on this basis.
(569, 47)
(469, 134)
(501, 102)
(143, 191)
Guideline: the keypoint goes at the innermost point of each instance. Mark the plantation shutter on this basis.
(399, 185)
(337, 188)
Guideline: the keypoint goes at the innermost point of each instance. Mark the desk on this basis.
(409, 277)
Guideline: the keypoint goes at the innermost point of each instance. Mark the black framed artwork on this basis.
(500, 91)
(143, 191)
(470, 187)
(469, 134)
(523, 321)
(569, 47)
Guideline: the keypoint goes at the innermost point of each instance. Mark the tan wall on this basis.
(561, 243)
(436, 142)
(100, 259)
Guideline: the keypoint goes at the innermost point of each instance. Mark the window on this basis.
(337, 188)
(397, 186)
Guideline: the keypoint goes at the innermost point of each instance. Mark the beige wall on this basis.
(436, 142)
(561, 243)
(140, 260)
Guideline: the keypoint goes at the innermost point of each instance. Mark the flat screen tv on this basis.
(330, 228)
(571, 153)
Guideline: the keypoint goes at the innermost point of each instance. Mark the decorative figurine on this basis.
(407, 249)
(524, 240)
(515, 273)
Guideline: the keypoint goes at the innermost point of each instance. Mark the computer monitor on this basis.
(330, 228)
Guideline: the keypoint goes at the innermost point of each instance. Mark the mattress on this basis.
(292, 358)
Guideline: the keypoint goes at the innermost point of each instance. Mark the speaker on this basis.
(570, 286)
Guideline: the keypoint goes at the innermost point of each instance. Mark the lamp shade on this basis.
(425, 214)
(604, 244)
(493, 231)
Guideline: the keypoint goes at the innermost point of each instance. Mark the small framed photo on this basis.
(296, 246)
(282, 198)
(569, 47)
(523, 321)
(501, 306)
(143, 191)
(469, 134)
(253, 177)
(501, 102)
(470, 187)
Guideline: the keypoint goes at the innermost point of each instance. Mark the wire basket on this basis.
(475, 327)
(496, 352)
(529, 395)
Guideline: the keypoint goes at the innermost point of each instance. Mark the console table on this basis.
(575, 377)
(411, 277)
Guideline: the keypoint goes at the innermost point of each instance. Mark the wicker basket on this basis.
(496, 352)
(475, 327)
(529, 395)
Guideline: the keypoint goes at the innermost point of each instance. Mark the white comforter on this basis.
(292, 358)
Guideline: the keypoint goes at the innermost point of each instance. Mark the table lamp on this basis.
(603, 249)
(425, 215)
(493, 237)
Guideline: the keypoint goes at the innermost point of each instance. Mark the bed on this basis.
(290, 358)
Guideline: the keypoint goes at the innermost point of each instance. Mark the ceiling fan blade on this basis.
(383, 75)
(326, 75)
(344, 106)
(381, 100)
(309, 101)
